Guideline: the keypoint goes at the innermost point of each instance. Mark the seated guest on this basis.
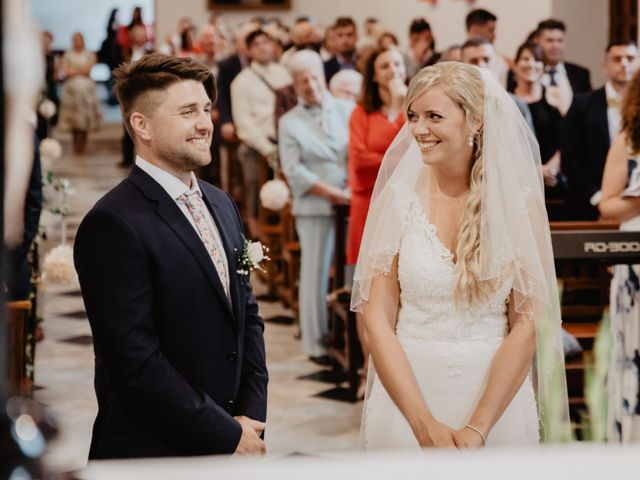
(346, 84)
(313, 139)
(569, 78)
(547, 119)
(589, 126)
(345, 38)
(253, 107)
(621, 202)
(422, 47)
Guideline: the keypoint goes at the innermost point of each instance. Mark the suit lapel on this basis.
(230, 249)
(601, 112)
(170, 213)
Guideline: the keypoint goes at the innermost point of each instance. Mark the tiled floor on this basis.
(298, 421)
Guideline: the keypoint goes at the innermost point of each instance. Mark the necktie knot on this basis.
(552, 76)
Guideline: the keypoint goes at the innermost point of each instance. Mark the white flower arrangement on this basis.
(50, 149)
(253, 253)
(274, 195)
(47, 109)
(57, 266)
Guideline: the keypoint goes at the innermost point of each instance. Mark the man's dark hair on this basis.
(551, 24)
(620, 42)
(372, 20)
(155, 73)
(475, 42)
(479, 16)
(342, 22)
(419, 25)
(254, 35)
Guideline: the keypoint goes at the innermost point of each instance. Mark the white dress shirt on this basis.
(175, 188)
(614, 99)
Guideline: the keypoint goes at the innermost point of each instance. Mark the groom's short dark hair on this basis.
(154, 73)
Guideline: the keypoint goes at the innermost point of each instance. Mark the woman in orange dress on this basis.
(374, 123)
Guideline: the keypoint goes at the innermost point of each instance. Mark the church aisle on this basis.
(298, 421)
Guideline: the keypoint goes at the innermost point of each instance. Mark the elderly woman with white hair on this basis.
(346, 84)
(313, 139)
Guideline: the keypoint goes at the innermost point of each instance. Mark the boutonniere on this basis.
(253, 253)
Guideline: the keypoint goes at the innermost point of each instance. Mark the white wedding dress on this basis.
(450, 353)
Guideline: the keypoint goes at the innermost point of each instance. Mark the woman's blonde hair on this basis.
(464, 85)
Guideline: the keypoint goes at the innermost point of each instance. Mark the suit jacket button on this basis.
(232, 356)
(229, 406)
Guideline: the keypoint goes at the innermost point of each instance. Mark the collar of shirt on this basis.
(613, 97)
(261, 69)
(559, 68)
(170, 183)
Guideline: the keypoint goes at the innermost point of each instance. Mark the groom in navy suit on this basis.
(179, 349)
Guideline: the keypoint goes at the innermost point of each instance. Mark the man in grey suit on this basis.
(313, 139)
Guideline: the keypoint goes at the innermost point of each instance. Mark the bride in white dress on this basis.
(455, 276)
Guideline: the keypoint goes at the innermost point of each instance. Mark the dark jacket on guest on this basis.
(229, 68)
(584, 147)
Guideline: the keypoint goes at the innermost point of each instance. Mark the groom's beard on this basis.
(185, 158)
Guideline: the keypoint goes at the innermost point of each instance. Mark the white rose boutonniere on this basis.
(253, 253)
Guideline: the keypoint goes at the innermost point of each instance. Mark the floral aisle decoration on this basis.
(274, 195)
(57, 266)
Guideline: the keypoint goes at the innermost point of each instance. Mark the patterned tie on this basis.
(196, 207)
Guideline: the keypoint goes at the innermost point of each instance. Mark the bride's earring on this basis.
(470, 141)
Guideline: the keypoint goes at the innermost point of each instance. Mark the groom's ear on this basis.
(140, 125)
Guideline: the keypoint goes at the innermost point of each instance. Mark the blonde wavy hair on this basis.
(464, 85)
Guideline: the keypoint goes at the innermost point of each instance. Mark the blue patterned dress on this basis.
(624, 372)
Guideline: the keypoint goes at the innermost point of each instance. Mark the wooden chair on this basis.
(18, 313)
(289, 278)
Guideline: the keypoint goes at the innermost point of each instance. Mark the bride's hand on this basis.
(467, 438)
(436, 435)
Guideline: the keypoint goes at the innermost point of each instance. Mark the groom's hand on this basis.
(250, 442)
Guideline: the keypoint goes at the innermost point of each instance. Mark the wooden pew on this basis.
(343, 342)
(18, 313)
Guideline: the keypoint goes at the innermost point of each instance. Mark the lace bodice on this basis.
(426, 272)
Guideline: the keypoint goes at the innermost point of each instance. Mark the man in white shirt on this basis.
(253, 109)
(590, 125)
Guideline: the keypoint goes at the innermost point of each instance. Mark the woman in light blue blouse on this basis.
(313, 140)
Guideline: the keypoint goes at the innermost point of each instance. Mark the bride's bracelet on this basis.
(484, 440)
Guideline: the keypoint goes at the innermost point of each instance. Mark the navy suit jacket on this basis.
(174, 359)
(584, 144)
